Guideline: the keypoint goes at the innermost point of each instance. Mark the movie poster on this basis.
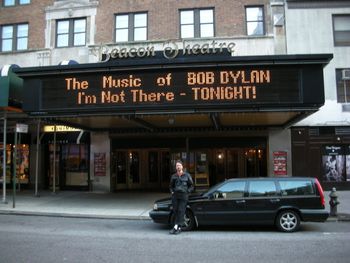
(347, 156)
(280, 163)
(333, 161)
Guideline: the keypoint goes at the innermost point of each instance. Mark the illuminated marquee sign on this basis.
(59, 128)
(171, 89)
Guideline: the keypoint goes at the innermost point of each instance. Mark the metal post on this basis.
(54, 161)
(19, 179)
(4, 157)
(14, 173)
(37, 158)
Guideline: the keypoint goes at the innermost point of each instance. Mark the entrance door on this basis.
(229, 164)
(127, 169)
(54, 170)
(165, 168)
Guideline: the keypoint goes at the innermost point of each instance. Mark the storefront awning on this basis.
(10, 89)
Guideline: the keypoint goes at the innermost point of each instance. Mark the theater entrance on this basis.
(151, 169)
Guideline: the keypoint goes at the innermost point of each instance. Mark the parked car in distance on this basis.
(280, 201)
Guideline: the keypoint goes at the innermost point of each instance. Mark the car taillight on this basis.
(320, 190)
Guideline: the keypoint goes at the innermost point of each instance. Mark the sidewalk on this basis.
(121, 205)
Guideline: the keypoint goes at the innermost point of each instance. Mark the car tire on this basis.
(288, 221)
(189, 221)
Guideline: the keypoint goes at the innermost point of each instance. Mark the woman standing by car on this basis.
(181, 184)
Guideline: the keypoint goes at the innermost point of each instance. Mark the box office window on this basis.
(71, 32)
(197, 23)
(75, 157)
(255, 20)
(14, 37)
(341, 30)
(131, 27)
(343, 85)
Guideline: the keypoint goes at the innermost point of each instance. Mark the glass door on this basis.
(134, 169)
(201, 176)
(120, 169)
(54, 169)
(165, 168)
(75, 165)
(126, 167)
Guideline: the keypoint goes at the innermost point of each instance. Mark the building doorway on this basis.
(71, 168)
(151, 168)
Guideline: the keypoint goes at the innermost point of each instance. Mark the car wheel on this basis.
(189, 222)
(288, 221)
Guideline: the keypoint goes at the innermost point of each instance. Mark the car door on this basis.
(262, 202)
(226, 205)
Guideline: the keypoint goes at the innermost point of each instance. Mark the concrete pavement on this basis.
(120, 205)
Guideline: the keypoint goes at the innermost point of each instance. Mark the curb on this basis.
(69, 215)
(339, 218)
(343, 217)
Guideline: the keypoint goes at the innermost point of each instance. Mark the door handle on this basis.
(275, 200)
(240, 201)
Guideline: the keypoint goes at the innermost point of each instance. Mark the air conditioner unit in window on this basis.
(346, 74)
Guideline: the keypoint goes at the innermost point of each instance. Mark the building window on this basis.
(16, 2)
(341, 30)
(343, 85)
(71, 32)
(197, 23)
(255, 20)
(14, 37)
(131, 27)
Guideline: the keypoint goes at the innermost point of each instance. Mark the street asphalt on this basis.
(119, 205)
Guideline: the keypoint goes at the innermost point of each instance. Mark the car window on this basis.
(297, 187)
(231, 190)
(262, 188)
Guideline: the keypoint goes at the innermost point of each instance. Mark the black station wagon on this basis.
(280, 201)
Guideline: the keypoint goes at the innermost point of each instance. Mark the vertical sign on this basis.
(280, 163)
(100, 164)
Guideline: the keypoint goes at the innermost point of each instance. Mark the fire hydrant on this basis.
(333, 202)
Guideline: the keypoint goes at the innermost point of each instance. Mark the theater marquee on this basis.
(172, 87)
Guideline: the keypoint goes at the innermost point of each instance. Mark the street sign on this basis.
(21, 128)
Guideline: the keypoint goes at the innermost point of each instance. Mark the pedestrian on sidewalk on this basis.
(181, 184)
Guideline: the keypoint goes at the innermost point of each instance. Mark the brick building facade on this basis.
(82, 30)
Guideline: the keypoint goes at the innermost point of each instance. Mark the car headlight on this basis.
(155, 206)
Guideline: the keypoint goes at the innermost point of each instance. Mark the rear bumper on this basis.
(161, 217)
(314, 215)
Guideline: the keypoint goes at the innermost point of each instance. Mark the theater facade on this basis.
(121, 123)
